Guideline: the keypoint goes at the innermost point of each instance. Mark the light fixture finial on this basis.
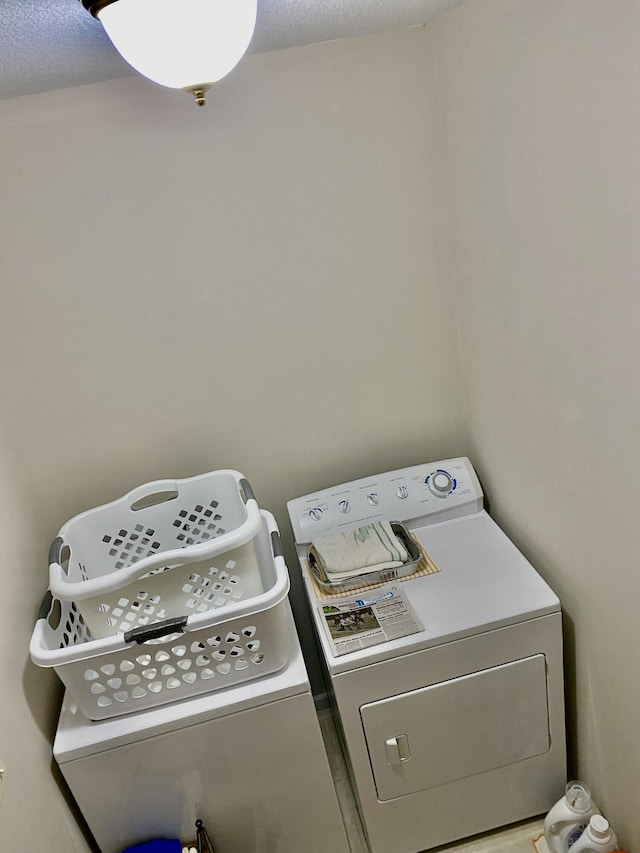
(199, 93)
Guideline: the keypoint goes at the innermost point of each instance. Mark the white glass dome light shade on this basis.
(182, 44)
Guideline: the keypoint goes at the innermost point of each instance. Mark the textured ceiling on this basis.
(52, 44)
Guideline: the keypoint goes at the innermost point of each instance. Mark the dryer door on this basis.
(457, 728)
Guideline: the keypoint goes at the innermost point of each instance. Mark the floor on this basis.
(514, 839)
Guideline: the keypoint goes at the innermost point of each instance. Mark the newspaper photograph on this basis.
(362, 620)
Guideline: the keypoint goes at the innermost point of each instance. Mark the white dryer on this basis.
(459, 728)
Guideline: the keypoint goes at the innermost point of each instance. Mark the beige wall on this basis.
(29, 699)
(541, 141)
(235, 285)
(259, 284)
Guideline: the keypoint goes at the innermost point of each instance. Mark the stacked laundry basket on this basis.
(174, 590)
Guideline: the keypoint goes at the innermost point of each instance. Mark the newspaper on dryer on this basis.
(368, 618)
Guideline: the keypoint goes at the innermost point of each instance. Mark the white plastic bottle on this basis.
(569, 818)
(598, 837)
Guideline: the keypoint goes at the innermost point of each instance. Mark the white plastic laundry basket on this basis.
(237, 639)
(156, 526)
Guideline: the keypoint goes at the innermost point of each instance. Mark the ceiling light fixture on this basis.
(182, 44)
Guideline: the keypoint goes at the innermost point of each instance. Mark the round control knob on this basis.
(344, 506)
(402, 492)
(315, 513)
(373, 499)
(440, 483)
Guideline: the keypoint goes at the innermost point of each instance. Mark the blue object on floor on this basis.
(161, 845)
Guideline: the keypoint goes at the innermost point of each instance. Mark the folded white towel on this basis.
(359, 551)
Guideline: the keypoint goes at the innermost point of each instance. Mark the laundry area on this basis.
(384, 283)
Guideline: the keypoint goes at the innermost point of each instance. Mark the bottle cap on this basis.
(578, 796)
(599, 827)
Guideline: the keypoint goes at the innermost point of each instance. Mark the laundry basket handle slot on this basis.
(55, 550)
(276, 544)
(152, 494)
(60, 554)
(45, 605)
(50, 611)
(155, 499)
(248, 491)
(154, 632)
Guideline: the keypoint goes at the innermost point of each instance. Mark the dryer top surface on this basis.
(484, 583)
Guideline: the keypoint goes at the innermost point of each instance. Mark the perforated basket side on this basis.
(110, 546)
(235, 576)
(206, 651)
(179, 666)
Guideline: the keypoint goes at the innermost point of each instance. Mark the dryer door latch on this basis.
(397, 749)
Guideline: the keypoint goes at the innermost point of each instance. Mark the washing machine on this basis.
(247, 760)
(457, 727)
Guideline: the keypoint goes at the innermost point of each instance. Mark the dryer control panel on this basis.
(426, 493)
